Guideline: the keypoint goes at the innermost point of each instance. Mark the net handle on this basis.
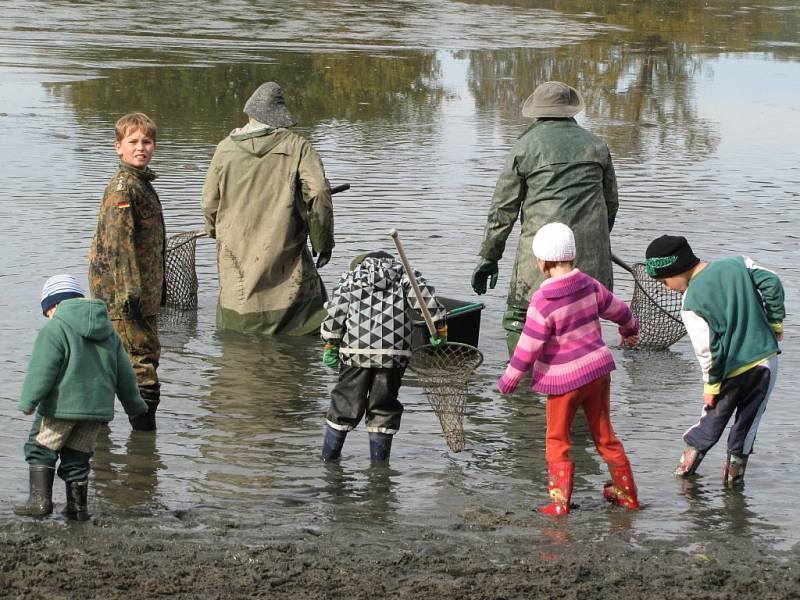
(413, 279)
(622, 263)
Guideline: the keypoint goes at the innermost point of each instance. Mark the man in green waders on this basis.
(555, 172)
(265, 194)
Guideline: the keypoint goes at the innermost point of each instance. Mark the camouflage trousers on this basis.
(140, 339)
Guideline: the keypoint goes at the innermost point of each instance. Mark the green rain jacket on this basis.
(265, 194)
(556, 171)
(78, 365)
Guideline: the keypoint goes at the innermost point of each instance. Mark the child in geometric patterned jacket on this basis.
(368, 329)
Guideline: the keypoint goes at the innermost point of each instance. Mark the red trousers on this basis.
(595, 399)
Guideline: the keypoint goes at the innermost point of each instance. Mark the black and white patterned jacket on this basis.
(369, 316)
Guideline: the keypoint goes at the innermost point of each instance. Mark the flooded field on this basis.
(414, 104)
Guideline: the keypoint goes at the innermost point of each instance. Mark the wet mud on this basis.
(482, 555)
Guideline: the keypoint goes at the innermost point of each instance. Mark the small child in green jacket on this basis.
(78, 365)
(733, 311)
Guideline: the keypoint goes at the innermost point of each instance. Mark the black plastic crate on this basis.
(463, 323)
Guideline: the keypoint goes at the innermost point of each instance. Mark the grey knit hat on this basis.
(553, 99)
(266, 106)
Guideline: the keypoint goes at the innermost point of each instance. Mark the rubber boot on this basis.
(332, 444)
(733, 470)
(40, 497)
(77, 508)
(380, 446)
(146, 421)
(689, 461)
(621, 490)
(559, 487)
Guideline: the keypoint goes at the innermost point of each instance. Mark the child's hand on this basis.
(709, 400)
(29, 412)
(629, 342)
(505, 385)
(779, 336)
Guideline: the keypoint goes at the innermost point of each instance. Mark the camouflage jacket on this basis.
(126, 260)
(556, 171)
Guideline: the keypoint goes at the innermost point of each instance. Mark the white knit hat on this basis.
(554, 242)
(59, 288)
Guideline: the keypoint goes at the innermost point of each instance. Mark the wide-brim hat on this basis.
(267, 106)
(553, 99)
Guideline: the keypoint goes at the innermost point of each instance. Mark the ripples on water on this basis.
(704, 144)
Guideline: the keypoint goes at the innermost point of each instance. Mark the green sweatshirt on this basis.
(78, 365)
(732, 310)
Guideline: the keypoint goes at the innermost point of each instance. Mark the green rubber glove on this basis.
(482, 273)
(330, 356)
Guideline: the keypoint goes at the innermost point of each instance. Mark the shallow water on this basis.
(415, 104)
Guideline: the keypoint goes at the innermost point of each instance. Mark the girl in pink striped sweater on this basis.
(562, 342)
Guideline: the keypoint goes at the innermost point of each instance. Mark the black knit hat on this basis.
(669, 255)
(374, 254)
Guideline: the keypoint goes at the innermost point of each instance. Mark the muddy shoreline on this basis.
(478, 556)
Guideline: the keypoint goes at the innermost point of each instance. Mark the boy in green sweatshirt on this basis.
(77, 366)
(733, 311)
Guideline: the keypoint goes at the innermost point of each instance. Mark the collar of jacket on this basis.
(146, 174)
(547, 121)
(564, 285)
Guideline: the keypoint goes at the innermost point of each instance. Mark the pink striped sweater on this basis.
(562, 339)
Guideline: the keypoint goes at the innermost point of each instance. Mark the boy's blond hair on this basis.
(132, 122)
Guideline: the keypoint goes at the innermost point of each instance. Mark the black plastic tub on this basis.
(463, 323)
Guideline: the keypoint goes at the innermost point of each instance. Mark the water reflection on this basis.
(127, 476)
(397, 86)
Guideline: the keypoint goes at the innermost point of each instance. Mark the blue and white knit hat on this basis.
(59, 288)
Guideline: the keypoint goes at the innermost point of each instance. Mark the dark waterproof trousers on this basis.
(45, 446)
(366, 390)
(745, 395)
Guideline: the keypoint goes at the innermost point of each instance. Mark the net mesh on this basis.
(444, 373)
(658, 310)
(181, 274)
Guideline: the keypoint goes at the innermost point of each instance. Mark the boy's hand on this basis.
(330, 356)
(29, 412)
(629, 342)
(710, 400)
(779, 336)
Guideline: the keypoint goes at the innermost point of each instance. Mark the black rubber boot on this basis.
(380, 446)
(146, 421)
(77, 508)
(332, 444)
(40, 498)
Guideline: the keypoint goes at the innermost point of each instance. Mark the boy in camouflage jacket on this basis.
(126, 261)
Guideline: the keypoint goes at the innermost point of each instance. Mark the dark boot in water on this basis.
(77, 508)
(332, 444)
(146, 421)
(40, 498)
(380, 446)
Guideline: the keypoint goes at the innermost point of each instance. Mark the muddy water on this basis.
(414, 104)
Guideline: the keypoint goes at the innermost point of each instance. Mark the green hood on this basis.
(87, 318)
(260, 141)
